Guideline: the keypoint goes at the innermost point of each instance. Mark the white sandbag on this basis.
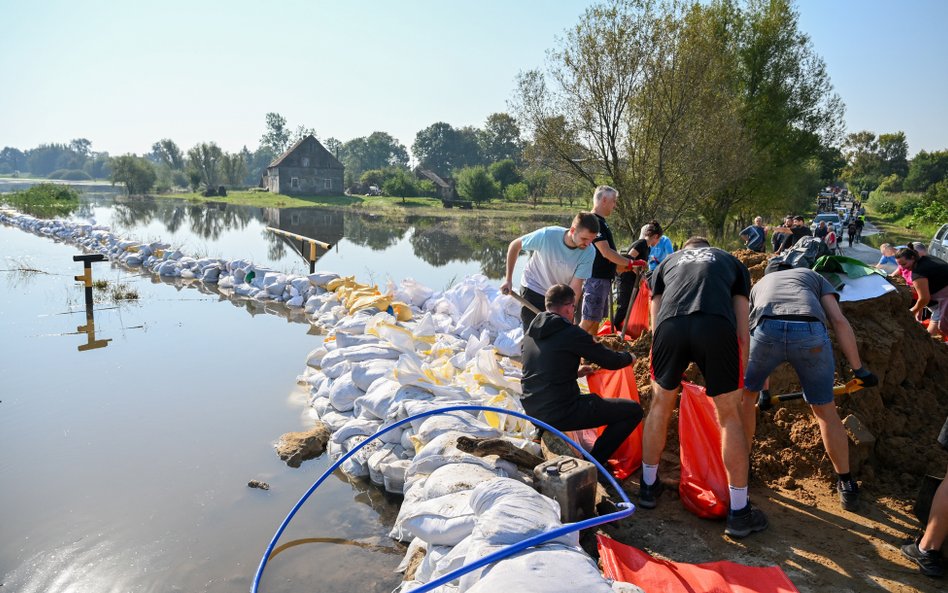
(434, 426)
(387, 453)
(550, 568)
(344, 340)
(354, 324)
(379, 398)
(335, 419)
(366, 373)
(406, 441)
(360, 353)
(321, 405)
(445, 520)
(510, 342)
(354, 427)
(477, 313)
(414, 548)
(411, 291)
(509, 512)
(393, 436)
(344, 392)
(295, 302)
(433, 555)
(337, 370)
(455, 477)
(322, 278)
(393, 475)
(621, 587)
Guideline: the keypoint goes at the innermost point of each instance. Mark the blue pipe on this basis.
(626, 507)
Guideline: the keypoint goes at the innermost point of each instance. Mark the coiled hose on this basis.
(625, 507)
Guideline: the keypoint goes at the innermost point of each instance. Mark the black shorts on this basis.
(710, 341)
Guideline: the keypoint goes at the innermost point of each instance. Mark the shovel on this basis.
(766, 401)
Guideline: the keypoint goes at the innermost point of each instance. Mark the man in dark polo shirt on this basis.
(792, 233)
(699, 314)
(597, 288)
(930, 280)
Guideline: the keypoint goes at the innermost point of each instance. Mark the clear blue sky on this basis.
(125, 74)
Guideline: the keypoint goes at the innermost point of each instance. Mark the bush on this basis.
(932, 212)
(886, 207)
(476, 184)
(426, 188)
(892, 183)
(908, 205)
(70, 175)
(517, 192)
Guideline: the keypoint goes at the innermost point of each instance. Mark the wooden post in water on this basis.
(86, 277)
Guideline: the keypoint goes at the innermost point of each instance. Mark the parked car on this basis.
(939, 245)
(831, 219)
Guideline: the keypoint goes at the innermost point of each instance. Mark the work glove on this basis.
(866, 376)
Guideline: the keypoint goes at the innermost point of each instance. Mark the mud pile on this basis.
(904, 413)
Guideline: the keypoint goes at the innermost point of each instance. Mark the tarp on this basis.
(858, 280)
(703, 487)
(620, 383)
(625, 563)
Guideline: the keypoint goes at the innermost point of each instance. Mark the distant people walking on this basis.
(851, 231)
(860, 224)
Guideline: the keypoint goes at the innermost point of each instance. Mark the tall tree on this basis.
(136, 173)
(442, 148)
(233, 168)
(277, 136)
(167, 152)
(300, 133)
(12, 159)
(375, 151)
(500, 138)
(893, 152)
(204, 163)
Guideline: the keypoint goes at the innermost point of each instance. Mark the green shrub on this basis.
(892, 183)
(476, 184)
(46, 200)
(932, 212)
(70, 175)
(886, 207)
(517, 192)
(908, 205)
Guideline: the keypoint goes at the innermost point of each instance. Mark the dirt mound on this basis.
(903, 414)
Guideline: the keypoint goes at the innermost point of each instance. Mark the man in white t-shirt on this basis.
(557, 256)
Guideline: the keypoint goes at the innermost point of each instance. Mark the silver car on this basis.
(939, 245)
(832, 220)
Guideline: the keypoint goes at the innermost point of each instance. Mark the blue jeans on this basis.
(805, 345)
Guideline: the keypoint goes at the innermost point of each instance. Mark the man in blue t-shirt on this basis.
(557, 256)
(754, 235)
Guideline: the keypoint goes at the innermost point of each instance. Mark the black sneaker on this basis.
(929, 561)
(649, 493)
(848, 495)
(745, 522)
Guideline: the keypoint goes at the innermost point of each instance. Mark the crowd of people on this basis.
(703, 310)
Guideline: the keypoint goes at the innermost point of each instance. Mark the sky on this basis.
(125, 75)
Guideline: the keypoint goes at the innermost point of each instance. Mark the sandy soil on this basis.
(820, 546)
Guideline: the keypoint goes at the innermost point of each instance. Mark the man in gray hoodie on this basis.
(553, 351)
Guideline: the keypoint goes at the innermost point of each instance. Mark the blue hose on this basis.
(626, 507)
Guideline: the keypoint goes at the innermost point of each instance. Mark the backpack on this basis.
(802, 255)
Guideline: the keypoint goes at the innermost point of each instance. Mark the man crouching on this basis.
(552, 353)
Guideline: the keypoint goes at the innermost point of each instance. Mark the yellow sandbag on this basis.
(380, 302)
(402, 311)
(335, 283)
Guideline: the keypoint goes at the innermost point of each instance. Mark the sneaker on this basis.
(929, 561)
(649, 493)
(848, 495)
(745, 522)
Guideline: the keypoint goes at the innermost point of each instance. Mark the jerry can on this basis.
(570, 482)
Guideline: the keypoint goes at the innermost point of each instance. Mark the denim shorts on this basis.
(596, 298)
(805, 345)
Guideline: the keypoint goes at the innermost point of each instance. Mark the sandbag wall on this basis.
(388, 356)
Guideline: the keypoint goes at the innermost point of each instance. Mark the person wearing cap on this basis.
(553, 350)
(699, 314)
(789, 312)
(558, 256)
(930, 281)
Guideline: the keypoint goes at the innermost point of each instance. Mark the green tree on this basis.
(334, 146)
(204, 159)
(400, 184)
(277, 136)
(476, 184)
(500, 138)
(924, 170)
(233, 169)
(300, 133)
(375, 151)
(517, 192)
(442, 148)
(136, 173)
(166, 151)
(505, 172)
(893, 154)
(12, 159)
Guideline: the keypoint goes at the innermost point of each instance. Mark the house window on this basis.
(294, 182)
(328, 183)
(305, 161)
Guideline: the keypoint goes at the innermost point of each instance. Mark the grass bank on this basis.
(894, 215)
(46, 200)
(386, 204)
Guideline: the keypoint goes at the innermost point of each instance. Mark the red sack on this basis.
(625, 563)
(620, 383)
(703, 487)
(639, 318)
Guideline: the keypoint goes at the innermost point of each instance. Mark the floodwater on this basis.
(126, 447)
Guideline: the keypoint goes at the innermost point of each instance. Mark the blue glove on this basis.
(866, 376)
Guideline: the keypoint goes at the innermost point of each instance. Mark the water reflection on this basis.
(89, 329)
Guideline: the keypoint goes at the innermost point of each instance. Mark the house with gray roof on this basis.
(306, 168)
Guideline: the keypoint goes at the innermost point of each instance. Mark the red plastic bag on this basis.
(639, 318)
(620, 383)
(625, 563)
(703, 487)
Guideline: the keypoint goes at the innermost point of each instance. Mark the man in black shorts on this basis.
(552, 350)
(700, 314)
